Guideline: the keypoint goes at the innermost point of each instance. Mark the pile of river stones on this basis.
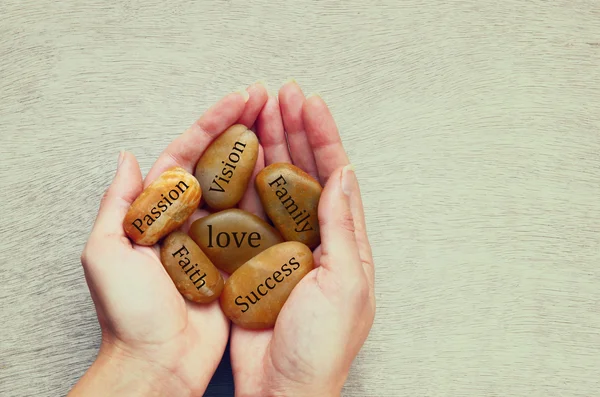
(264, 263)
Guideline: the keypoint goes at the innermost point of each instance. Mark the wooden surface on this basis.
(474, 127)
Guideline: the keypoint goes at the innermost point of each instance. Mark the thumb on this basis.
(124, 189)
(339, 250)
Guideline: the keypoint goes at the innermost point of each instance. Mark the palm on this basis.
(275, 354)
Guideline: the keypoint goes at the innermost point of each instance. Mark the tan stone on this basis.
(194, 275)
(254, 295)
(231, 237)
(226, 166)
(162, 207)
(290, 198)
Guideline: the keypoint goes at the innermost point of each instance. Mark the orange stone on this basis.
(231, 237)
(226, 166)
(254, 295)
(194, 275)
(290, 198)
(162, 207)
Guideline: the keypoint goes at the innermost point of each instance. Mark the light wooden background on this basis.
(474, 127)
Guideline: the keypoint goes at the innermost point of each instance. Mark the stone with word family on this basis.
(226, 166)
(290, 198)
(194, 275)
(231, 237)
(162, 207)
(254, 295)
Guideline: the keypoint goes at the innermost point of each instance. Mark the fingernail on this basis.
(313, 95)
(121, 158)
(291, 80)
(348, 179)
(264, 84)
(245, 94)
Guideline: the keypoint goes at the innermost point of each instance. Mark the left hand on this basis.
(154, 342)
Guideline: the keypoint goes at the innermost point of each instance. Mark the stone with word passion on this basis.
(231, 237)
(162, 207)
(226, 166)
(290, 198)
(194, 275)
(254, 295)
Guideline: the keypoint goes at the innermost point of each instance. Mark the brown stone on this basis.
(194, 275)
(254, 295)
(290, 198)
(162, 207)
(231, 237)
(226, 166)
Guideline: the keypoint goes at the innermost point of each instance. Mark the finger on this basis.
(124, 189)
(186, 149)
(251, 201)
(291, 100)
(339, 249)
(323, 137)
(360, 228)
(258, 98)
(270, 132)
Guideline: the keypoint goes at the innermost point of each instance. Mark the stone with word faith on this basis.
(194, 275)
(231, 237)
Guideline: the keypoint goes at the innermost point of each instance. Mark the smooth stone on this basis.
(290, 198)
(231, 237)
(226, 166)
(162, 207)
(254, 295)
(194, 275)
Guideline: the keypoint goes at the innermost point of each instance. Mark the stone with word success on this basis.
(226, 166)
(231, 237)
(162, 207)
(194, 275)
(254, 295)
(290, 198)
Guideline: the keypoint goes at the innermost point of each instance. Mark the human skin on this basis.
(154, 342)
(328, 315)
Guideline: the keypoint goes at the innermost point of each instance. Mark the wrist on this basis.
(118, 372)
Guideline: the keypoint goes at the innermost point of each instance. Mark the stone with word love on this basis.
(290, 198)
(194, 275)
(162, 207)
(254, 295)
(231, 237)
(226, 166)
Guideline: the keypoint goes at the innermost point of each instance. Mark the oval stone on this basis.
(194, 275)
(162, 207)
(226, 167)
(231, 237)
(290, 198)
(254, 295)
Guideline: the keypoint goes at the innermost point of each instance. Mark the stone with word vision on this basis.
(192, 272)
(231, 237)
(254, 295)
(226, 166)
(290, 198)
(162, 207)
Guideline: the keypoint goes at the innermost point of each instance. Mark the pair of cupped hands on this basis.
(155, 342)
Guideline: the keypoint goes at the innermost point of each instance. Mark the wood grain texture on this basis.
(474, 127)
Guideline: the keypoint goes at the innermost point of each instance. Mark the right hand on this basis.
(328, 315)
